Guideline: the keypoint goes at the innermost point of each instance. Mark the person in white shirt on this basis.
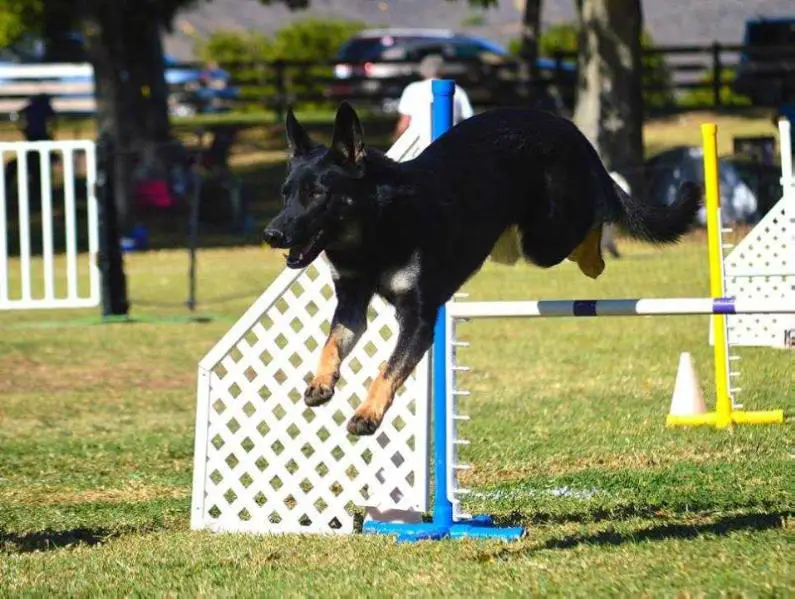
(415, 101)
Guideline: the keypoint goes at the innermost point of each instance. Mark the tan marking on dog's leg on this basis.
(369, 415)
(321, 389)
(588, 255)
(329, 366)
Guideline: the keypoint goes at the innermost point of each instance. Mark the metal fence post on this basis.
(717, 75)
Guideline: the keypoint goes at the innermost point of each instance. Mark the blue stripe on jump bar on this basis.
(584, 307)
(723, 305)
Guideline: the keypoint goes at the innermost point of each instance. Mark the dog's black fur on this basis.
(414, 232)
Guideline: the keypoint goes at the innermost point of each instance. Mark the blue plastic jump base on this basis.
(443, 525)
(478, 527)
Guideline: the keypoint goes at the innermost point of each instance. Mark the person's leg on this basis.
(609, 240)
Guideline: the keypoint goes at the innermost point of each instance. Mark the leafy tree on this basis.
(561, 37)
(244, 55)
(313, 42)
(18, 17)
(310, 41)
(231, 46)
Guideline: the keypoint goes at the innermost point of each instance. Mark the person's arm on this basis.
(466, 107)
(402, 124)
(404, 110)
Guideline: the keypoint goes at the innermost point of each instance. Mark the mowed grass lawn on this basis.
(568, 439)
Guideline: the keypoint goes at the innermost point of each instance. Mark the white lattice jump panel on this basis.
(763, 266)
(265, 461)
(409, 145)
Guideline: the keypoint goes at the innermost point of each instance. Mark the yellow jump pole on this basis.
(723, 401)
(724, 414)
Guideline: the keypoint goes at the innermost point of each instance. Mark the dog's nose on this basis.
(273, 237)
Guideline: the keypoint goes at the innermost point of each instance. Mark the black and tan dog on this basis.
(508, 182)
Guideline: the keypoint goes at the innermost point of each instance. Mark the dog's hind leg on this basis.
(347, 325)
(588, 255)
(548, 237)
(549, 244)
(414, 339)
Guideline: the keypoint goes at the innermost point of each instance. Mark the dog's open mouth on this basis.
(304, 255)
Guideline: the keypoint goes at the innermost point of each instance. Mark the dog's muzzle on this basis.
(275, 238)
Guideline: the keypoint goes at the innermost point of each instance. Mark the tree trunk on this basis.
(58, 19)
(102, 27)
(125, 49)
(102, 30)
(111, 258)
(149, 123)
(528, 50)
(609, 108)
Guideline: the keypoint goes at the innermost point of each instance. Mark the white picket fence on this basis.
(41, 265)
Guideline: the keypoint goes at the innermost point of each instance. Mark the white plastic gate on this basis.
(264, 461)
(762, 265)
(50, 273)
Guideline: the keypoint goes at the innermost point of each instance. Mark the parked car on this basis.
(766, 69)
(666, 172)
(198, 91)
(377, 64)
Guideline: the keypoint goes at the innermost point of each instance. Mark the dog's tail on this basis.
(659, 224)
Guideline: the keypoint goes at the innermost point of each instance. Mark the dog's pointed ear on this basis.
(347, 141)
(297, 138)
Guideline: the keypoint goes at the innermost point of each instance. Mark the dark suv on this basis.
(766, 70)
(378, 63)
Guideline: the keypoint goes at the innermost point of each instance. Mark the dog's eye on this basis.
(316, 195)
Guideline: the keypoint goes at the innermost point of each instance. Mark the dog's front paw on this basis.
(318, 392)
(362, 426)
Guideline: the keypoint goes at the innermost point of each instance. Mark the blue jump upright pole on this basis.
(443, 524)
(441, 121)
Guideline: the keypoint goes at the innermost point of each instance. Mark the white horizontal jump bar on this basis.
(619, 307)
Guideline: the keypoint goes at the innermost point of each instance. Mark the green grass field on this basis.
(96, 445)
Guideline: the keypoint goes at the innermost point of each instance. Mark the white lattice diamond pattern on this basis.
(272, 464)
(762, 266)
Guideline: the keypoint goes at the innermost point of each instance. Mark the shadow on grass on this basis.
(703, 510)
(49, 540)
(721, 526)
